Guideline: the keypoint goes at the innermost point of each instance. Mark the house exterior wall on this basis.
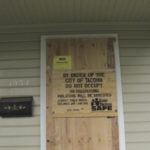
(20, 76)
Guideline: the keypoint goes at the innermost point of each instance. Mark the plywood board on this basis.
(81, 130)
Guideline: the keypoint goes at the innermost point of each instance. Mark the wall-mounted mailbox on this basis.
(16, 107)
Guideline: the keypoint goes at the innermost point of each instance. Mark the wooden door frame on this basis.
(43, 68)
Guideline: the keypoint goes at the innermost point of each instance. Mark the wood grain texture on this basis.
(80, 133)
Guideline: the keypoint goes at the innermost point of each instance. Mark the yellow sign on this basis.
(62, 63)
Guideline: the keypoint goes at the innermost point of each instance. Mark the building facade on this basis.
(20, 76)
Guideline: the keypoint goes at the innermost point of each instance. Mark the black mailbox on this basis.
(16, 107)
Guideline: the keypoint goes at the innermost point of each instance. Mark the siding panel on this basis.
(17, 73)
(135, 60)
(19, 131)
(136, 78)
(20, 148)
(135, 52)
(138, 127)
(137, 117)
(18, 64)
(19, 141)
(135, 43)
(138, 137)
(21, 82)
(132, 88)
(15, 55)
(27, 121)
(15, 46)
(138, 145)
(137, 107)
(144, 70)
(136, 97)
(33, 91)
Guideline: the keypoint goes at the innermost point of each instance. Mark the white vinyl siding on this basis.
(20, 76)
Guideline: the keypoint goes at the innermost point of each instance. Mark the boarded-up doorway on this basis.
(81, 94)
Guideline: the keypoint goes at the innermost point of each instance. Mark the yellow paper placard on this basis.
(62, 63)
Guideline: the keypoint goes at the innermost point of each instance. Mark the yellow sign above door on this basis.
(62, 63)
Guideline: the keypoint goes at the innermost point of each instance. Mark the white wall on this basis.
(20, 76)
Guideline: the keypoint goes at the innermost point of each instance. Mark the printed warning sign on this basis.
(62, 63)
(84, 93)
